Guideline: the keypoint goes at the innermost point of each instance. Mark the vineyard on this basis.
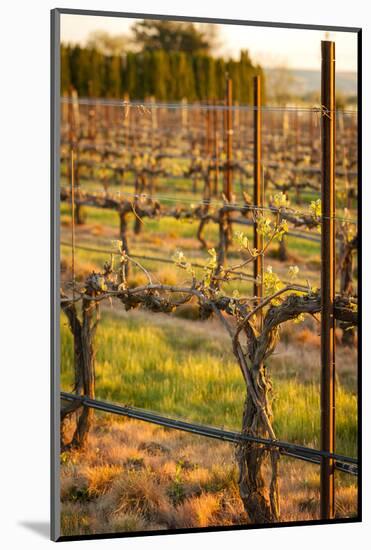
(208, 268)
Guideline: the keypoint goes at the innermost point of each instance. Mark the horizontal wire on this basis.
(207, 202)
(141, 130)
(115, 253)
(70, 283)
(237, 163)
(340, 466)
(209, 107)
(139, 257)
(238, 166)
(300, 451)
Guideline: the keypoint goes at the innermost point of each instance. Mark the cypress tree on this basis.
(131, 74)
(65, 69)
(220, 78)
(168, 75)
(161, 75)
(113, 76)
(96, 73)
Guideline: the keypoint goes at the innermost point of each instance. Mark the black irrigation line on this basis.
(343, 463)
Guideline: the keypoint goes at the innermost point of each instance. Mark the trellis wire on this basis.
(202, 202)
(202, 106)
(344, 463)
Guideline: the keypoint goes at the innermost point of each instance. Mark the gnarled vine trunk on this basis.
(80, 214)
(83, 332)
(140, 186)
(124, 237)
(258, 465)
(283, 255)
(346, 283)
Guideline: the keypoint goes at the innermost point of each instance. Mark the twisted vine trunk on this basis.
(283, 255)
(124, 237)
(205, 210)
(88, 374)
(225, 236)
(258, 466)
(140, 186)
(80, 214)
(194, 184)
(83, 333)
(258, 481)
(346, 284)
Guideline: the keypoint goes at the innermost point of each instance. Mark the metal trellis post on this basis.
(258, 189)
(328, 278)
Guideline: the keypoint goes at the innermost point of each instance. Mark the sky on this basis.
(271, 47)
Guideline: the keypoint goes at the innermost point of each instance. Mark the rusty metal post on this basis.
(296, 137)
(225, 226)
(76, 113)
(236, 125)
(216, 149)
(296, 155)
(229, 142)
(184, 115)
(258, 190)
(224, 141)
(71, 121)
(107, 120)
(154, 124)
(311, 132)
(71, 133)
(328, 278)
(125, 122)
(207, 140)
(72, 128)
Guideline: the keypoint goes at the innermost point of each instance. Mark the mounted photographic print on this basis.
(205, 274)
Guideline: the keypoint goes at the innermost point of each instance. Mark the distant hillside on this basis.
(308, 81)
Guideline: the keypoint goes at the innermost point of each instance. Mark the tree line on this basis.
(166, 75)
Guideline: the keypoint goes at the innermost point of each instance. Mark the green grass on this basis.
(94, 215)
(181, 369)
(184, 229)
(297, 408)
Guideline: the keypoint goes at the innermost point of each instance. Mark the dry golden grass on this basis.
(308, 337)
(97, 230)
(134, 476)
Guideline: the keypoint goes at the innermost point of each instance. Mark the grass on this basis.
(175, 367)
(136, 477)
(176, 229)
